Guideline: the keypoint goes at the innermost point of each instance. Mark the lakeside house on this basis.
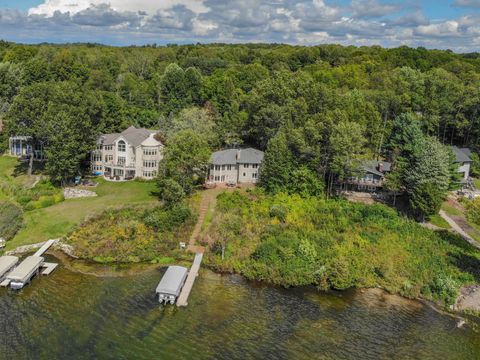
(22, 146)
(133, 153)
(464, 162)
(235, 166)
(371, 178)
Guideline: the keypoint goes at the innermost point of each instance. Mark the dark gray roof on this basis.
(134, 136)
(462, 154)
(237, 156)
(371, 166)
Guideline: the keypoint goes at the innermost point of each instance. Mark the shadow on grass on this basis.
(468, 264)
(464, 257)
(22, 168)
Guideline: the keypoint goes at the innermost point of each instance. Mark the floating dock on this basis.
(7, 263)
(192, 275)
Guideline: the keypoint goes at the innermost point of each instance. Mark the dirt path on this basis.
(457, 228)
(208, 198)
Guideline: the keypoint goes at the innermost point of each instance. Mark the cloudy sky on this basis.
(453, 24)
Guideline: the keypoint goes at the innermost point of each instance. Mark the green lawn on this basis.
(57, 220)
(477, 183)
(437, 220)
(450, 210)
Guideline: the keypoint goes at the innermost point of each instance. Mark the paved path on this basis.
(457, 228)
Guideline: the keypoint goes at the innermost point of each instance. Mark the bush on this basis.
(11, 220)
(132, 234)
(337, 244)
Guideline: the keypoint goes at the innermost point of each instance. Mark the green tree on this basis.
(170, 192)
(185, 160)
(428, 177)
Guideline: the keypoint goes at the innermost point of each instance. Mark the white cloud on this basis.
(49, 7)
(123, 22)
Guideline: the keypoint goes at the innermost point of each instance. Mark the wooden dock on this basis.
(192, 275)
(45, 247)
(48, 268)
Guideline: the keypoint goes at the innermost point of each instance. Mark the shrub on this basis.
(11, 220)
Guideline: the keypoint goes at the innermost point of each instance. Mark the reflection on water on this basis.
(73, 316)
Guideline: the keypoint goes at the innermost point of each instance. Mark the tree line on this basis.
(315, 110)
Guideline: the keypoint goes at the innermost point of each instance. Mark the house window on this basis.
(244, 174)
(121, 146)
(121, 160)
(150, 164)
(211, 167)
(246, 166)
(223, 167)
(217, 167)
(229, 167)
(255, 166)
(108, 148)
(149, 152)
(254, 175)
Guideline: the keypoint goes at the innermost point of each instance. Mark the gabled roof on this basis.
(372, 166)
(237, 156)
(132, 135)
(462, 154)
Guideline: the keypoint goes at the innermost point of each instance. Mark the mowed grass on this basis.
(477, 183)
(57, 220)
(437, 220)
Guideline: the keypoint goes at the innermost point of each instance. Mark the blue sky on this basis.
(452, 24)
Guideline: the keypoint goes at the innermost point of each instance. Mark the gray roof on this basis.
(371, 166)
(172, 281)
(237, 156)
(6, 263)
(462, 154)
(24, 270)
(134, 136)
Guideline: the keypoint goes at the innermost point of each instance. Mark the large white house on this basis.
(235, 166)
(133, 153)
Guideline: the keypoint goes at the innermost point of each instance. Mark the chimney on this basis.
(238, 155)
(380, 167)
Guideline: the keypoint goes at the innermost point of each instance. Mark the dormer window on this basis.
(121, 146)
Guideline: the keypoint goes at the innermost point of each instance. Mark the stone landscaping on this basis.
(74, 193)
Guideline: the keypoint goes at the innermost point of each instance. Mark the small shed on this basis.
(171, 284)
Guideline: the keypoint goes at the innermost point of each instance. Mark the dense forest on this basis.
(315, 110)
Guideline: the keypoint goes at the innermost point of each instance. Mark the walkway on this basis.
(208, 198)
(192, 275)
(457, 228)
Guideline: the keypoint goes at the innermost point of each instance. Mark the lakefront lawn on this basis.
(59, 219)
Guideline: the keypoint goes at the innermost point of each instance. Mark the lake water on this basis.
(69, 315)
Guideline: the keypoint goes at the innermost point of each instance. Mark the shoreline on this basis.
(64, 253)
